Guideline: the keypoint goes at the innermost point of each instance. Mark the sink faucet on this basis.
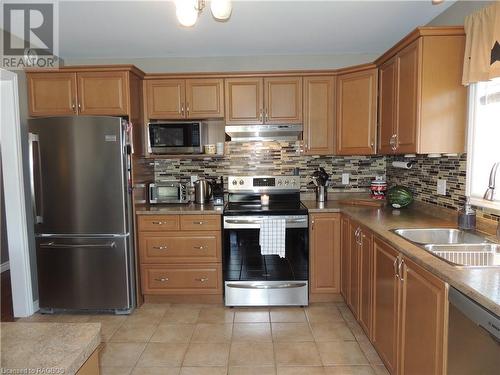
(490, 192)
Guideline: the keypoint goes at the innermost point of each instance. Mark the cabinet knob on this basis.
(73, 107)
(261, 114)
(267, 115)
(187, 108)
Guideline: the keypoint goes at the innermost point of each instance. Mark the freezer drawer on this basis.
(84, 273)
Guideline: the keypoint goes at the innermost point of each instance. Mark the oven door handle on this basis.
(236, 221)
(262, 286)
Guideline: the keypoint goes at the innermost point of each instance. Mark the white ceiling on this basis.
(134, 29)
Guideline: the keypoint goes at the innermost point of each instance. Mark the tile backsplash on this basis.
(422, 181)
(274, 158)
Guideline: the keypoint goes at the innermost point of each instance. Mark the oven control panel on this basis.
(263, 183)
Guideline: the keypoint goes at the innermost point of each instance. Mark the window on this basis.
(483, 141)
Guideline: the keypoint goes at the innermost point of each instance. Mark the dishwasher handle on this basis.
(482, 317)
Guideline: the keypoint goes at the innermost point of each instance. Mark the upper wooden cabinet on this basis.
(171, 99)
(324, 253)
(357, 113)
(283, 100)
(319, 99)
(82, 91)
(256, 100)
(244, 100)
(422, 103)
(102, 93)
(52, 94)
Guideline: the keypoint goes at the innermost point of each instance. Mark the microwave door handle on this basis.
(150, 150)
(32, 138)
(152, 196)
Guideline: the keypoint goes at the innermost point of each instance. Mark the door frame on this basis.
(15, 203)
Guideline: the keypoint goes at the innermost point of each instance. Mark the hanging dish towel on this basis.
(272, 236)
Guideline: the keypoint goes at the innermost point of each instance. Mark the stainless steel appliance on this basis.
(202, 191)
(253, 277)
(218, 192)
(265, 132)
(80, 175)
(473, 337)
(168, 191)
(176, 137)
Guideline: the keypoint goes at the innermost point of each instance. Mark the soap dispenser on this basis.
(467, 216)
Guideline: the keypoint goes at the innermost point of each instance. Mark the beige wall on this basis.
(455, 14)
(234, 63)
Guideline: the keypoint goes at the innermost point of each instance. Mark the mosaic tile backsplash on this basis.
(274, 158)
(423, 176)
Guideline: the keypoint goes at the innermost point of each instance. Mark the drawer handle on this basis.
(198, 222)
(159, 222)
(202, 279)
(198, 247)
(162, 279)
(162, 247)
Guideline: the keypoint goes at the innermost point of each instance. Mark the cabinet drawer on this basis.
(181, 279)
(158, 222)
(180, 247)
(200, 222)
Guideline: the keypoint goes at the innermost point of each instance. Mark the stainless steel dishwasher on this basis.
(473, 337)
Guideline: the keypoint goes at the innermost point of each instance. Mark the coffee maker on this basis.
(218, 192)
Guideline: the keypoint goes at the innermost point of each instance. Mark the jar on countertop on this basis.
(378, 188)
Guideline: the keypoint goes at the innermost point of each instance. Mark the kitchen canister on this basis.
(220, 148)
(210, 149)
(378, 188)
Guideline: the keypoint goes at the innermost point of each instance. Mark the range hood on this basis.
(264, 132)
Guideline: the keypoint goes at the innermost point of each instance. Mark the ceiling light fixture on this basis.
(187, 11)
(437, 2)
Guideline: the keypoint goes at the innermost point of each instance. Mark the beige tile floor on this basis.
(322, 339)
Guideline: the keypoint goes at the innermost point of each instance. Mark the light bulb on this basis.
(186, 12)
(221, 9)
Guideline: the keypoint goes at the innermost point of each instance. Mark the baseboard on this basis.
(325, 297)
(4, 267)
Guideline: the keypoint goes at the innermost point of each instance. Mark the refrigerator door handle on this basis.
(38, 211)
(62, 245)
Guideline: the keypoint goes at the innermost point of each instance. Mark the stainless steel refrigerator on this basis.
(80, 177)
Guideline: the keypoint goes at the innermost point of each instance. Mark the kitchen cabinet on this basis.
(180, 255)
(423, 297)
(356, 105)
(324, 272)
(257, 100)
(422, 103)
(353, 289)
(345, 258)
(81, 92)
(319, 99)
(365, 313)
(385, 303)
(173, 99)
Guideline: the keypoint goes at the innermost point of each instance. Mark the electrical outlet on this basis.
(441, 187)
(194, 179)
(345, 178)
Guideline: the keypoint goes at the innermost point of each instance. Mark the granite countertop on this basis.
(480, 284)
(179, 209)
(58, 347)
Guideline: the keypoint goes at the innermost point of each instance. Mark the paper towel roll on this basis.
(402, 164)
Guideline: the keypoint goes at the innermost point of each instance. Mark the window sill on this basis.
(479, 202)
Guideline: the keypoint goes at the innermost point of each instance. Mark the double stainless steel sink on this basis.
(458, 247)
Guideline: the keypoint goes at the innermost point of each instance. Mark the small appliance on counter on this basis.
(168, 191)
(218, 192)
(202, 191)
(320, 180)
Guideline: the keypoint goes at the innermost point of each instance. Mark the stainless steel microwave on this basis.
(168, 192)
(176, 137)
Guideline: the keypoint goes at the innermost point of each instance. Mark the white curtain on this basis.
(482, 46)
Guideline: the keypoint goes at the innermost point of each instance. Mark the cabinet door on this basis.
(52, 94)
(325, 253)
(385, 303)
(166, 98)
(204, 98)
(353, 300)
(387, 106)
(103, 93)
(408, 98)
(345, 256)
(244, 100)
(357, 113)
(423, 300)
(365, 281)
(283, 100)
(318, 115)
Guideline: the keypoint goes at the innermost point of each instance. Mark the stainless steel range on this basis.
(266, 253)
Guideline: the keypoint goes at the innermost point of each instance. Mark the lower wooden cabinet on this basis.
(365, 314)
(324, 253)
(180, 254)
(345, 258)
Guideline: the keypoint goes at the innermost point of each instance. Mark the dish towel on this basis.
(272, 236)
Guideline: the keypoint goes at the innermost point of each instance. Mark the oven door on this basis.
(175, 138)
(253, 279)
